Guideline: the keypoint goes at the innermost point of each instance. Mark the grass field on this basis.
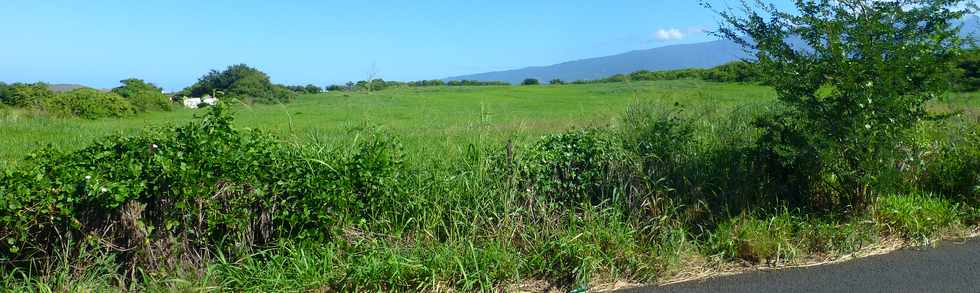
(433, 119)
(570, 209)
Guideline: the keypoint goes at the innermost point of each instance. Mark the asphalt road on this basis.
(950, 267)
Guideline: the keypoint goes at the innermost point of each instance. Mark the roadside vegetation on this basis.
(853, 141)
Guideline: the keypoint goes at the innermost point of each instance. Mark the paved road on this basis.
(951, 267)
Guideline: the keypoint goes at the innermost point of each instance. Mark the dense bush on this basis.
(241, 82)
(530, 81)
(969, 67)
(171, 194)
(142, 95)
(851, 96)
(25, 95)
(88, 103)
(574, 167)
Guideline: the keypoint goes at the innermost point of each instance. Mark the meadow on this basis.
(427, 119)
(411, 189)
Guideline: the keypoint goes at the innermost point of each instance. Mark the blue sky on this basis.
(172, 43)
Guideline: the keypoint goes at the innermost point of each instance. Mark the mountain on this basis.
(699, 55)
(64, 87)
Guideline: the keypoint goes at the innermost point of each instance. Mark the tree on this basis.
(241, 82)
(530, 81)
(312, 89)
(142, 95)
(27, 95)
(556, 82)
(854, 75)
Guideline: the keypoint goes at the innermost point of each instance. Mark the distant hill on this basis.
(64, 87)
(699, 55)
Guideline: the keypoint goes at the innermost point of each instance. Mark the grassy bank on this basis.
(418, 189)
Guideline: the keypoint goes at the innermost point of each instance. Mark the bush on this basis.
(530, 81)
(143, 96)
(556, 82)
(955, 169)
(573, 167)
(859, 83)
(24, 95)
(88, 103)
(178, 194)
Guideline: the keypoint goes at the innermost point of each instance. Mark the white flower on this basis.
(868, 126)
(153, 146)
(104, 189)
(88, 177)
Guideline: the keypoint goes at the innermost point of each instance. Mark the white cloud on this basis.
(671, 34)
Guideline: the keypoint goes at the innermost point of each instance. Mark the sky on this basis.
(172, 43)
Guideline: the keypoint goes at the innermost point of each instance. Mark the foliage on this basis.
(241, 82)
(142, 95)
(573, 167)
(26, 95)
(89, 104)
(969, 66)
(556, 81)
(861, 80)
(305, 89)
(530, 81)
(203, 183)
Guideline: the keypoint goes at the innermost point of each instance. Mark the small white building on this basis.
(193, 103)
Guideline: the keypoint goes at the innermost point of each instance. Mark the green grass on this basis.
(433, 120)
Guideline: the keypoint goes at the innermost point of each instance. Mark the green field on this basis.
(570, 209)
(426, 119)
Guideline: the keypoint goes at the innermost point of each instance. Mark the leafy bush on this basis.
(917, 216)
(556, 82)
(25, 95)
(176, 194)
(143, 96)
(88, 103)
(955, 170)
(530, 81)
(572, 167)
(860, 81)
(969, 67)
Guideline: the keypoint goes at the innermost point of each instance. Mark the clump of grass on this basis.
(756, 239)
(917, 216)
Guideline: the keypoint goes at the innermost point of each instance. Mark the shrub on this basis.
(573, 167)
(530, 81)
(143, 96)
(26, 95)
(177, 194)
(88, 103)
(955, 169)
(860, 80)
(556, 82)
